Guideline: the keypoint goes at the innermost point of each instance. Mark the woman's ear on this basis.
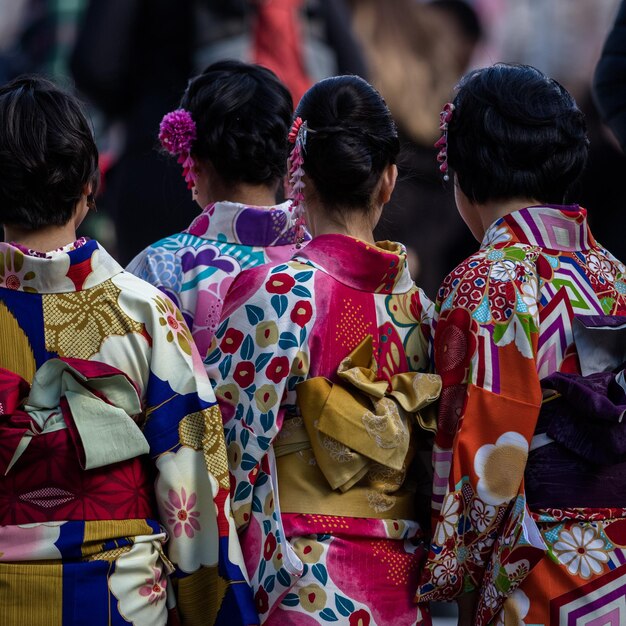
(387, 183)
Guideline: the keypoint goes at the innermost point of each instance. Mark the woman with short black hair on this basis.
(113, 471)
(318, 369)
(235, 118)
(528, 508)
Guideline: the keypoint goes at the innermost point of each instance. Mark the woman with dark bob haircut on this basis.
(528, 496)
(113, 470)
(319, 371)
(235, 117)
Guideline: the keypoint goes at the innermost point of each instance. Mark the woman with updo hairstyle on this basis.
(113, 470)
(528, 502)
(229, 136)
(321, 370)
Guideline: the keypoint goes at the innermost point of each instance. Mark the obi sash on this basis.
(578, 453)
(350, 451)
(67, 440)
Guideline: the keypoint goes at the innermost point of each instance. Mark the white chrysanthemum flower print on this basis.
(448, 520)
(445, 572)
(503, 271)
(581, 550)
(496, 234)
(500, 468)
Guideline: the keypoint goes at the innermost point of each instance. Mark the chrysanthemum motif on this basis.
(172, 319)
(155, 587)
(448, 520)
(601, 268)
(502, 270)
(180, 514)
(444, 573)
(582, 550)
(481, 514)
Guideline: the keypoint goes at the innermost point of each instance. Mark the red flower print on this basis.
(277, 369)
(280, 283)
(360, 618)
(455, 343)
(269, 547)
(262, 601)
(301, 312)
(244, 374)
(231, 341)
(180, 513)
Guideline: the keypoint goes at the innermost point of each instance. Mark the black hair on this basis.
(242, 113)
(47, 154)
(352, 138)
(515, 133)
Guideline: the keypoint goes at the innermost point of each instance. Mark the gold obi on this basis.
(349, 453)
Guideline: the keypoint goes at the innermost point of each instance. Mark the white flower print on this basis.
(582, 550)
(448, 519)
(444, 573)
(601, 267)
(530, 297)
(500, 468)
(496, 234)
(481, 514)
(503, 271)
(515, 609)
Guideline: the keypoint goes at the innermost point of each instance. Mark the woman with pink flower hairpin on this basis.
(229, 136)
(321, 371)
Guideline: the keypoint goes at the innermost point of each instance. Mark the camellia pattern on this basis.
(285, 324)
(195, 268)
(503, 322)
(87, 540)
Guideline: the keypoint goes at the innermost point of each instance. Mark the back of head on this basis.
(47, 154)
(242, 114)
(351, 139)
(515, 133)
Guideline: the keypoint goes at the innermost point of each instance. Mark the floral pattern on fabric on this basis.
(195, 268)
(129, 528)
(504, 321)
(282, 325)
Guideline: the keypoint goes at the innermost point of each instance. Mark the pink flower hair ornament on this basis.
(177, 132)
(297, 136)
(442, 143)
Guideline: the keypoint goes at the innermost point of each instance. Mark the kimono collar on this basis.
(246, 225)
(552, 227)
(379, 268)
(66, 270)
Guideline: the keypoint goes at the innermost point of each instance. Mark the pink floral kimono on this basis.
(316, 371)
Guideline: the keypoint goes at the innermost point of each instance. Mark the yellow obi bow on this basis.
(362, 420)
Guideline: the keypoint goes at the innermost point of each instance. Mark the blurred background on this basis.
(129, 61)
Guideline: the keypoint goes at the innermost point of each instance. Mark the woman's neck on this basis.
(44, 239)
(351, 222)
(242, 193)
(494, 210)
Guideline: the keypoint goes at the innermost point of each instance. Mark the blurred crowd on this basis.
(130, 60)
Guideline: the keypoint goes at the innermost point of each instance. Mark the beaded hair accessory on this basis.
(297, 136)
(177, 132)
(442, 143)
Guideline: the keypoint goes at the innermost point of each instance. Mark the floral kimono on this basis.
(196, 267)
(312, 360)
(538, 547)
(114, 489)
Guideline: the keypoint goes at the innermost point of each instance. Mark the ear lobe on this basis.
(387, 183)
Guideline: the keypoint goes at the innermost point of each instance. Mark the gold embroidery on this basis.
(16, 354)
(77, 323)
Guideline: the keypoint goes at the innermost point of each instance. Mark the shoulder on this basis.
(493, 278)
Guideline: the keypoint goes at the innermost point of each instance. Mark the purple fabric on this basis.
(586, 464)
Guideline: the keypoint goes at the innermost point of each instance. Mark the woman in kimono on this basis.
(528, 504)
(319, 371)
(114, 491)
(229, 136)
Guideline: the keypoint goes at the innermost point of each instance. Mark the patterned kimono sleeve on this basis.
(183, 426)
(486, 336)
(261, 354)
